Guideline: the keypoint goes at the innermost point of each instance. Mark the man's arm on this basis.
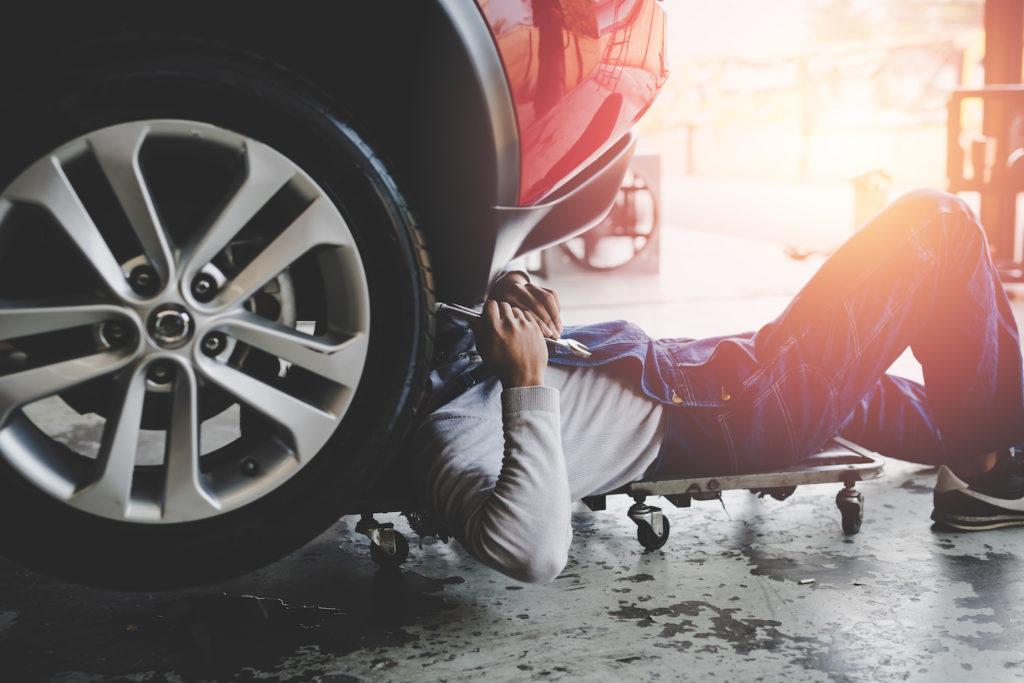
(517, 523)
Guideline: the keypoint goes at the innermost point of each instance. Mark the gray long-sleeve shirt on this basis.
(501, 468)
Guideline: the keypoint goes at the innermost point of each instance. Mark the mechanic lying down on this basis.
(514, 438)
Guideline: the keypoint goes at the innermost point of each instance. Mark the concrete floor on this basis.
(746, 589)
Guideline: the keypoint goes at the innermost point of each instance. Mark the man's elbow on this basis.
(538, 567)
(527, 553)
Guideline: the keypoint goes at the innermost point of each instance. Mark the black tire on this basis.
(268, 104)
(648, 539)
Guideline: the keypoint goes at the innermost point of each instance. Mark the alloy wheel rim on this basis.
(177, 325)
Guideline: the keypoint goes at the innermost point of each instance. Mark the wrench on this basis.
(574, 347)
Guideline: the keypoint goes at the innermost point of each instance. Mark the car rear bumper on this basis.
(580, 74)
(573, 209)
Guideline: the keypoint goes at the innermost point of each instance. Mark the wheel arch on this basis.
(422, 82)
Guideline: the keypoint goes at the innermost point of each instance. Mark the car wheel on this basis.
(214, 319)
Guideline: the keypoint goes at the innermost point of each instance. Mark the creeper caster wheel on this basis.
(388, 548)
(651, 525)
(648, 539)
(401, 554)
(851, 507)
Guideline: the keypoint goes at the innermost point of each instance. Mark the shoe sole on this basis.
(976, 523)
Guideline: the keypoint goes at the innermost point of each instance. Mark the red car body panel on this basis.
(581, 73)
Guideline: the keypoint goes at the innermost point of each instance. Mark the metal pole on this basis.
(1004, 45)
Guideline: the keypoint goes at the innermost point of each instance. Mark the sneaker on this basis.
(988, 501)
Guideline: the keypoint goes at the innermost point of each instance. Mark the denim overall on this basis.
(918, 274)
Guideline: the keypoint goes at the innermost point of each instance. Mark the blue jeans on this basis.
(917, 275)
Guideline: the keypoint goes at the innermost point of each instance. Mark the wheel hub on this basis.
(170, 326)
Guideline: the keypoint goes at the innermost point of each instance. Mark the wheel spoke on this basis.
(185, 497)
(108, 489)
(316, 226)
(117, 151)
(308, 425)
(45, 184)
(20, 388)
(340, 359)
(266, 175)
(22, 320)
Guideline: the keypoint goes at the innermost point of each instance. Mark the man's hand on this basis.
(540, 302)
(511, 343)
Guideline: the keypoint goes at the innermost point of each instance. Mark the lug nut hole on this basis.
(204, 288)
(116, 333)
(144, 281)
(160, 373)
(214, 343)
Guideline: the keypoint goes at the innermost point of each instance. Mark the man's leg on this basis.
(916, 275)
(894, 418)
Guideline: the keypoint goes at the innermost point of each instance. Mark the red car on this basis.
(223, 230)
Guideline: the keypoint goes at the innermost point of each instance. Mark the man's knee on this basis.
(929, 202)
(928, 212)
